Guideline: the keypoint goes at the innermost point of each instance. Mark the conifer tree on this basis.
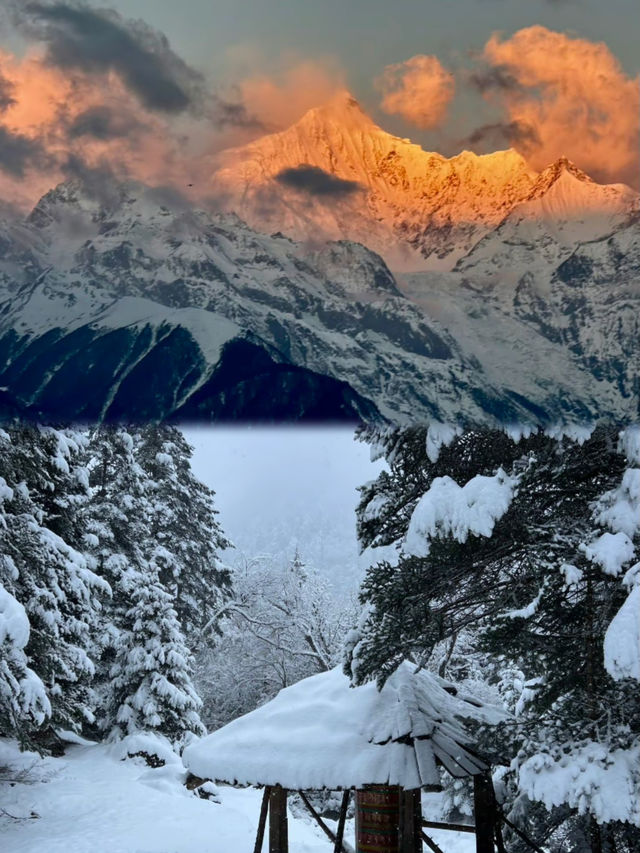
(153, 531)
(24, 705)
(524, 543)
(184, 537)
(151, 687)
(52, 580)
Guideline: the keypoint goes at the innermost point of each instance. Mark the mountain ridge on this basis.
(136, 302)
(524, 304)
(418, 209)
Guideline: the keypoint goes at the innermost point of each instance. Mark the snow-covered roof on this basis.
(322, 733)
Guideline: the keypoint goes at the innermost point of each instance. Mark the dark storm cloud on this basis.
(6, 93)
(102, 123)
(513, 133)
(18, 152)
(94, 41)
(100, 40)
(233, 114)
(497, 78)
(99, 181)
(315, 181)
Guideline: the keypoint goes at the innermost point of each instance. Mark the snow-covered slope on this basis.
(133, 304)
(137, 305)
(564, 209)
(417, 208)
(562, 271)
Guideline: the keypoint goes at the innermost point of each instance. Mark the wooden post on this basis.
(337, 847)
(278, 827)
(410, 840)
(263, 820)
(484, 809)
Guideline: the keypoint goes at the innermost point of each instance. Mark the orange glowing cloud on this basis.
(419, 90)
(280, 98)
(52, 120)
(566, 96)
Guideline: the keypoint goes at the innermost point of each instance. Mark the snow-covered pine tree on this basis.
(52, 580)
(185, 539)
(132, 522)
(24, 705)
(524, 543)
(151, 688)
(114, 520)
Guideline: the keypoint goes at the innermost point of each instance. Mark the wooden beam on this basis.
(409, 840)
(431, 844)
(484, 807)
(264, 808)
(337, 848)
(522, 834)
(314, 814)
(278, 826)
(454, 827)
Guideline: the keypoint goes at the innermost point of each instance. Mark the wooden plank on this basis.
(484, 806)
(278, 825)
(264, 808)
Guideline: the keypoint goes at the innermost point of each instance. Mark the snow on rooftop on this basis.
(323, 733)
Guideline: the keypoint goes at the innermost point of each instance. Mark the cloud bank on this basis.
(279, 98)
(570, 96)
(78, 37)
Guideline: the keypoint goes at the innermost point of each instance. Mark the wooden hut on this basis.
(387, 744)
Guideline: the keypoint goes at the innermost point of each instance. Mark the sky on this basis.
(278, 488)
(154, 89)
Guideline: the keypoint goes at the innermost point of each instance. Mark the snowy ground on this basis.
(91, 801)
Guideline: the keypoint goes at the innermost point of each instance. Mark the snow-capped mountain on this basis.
(564, 209)
(133, 304)
(566, 263)
(417, 208)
